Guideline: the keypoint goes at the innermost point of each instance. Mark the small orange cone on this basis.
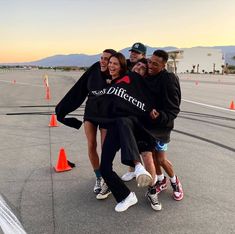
(62, 164)
(48, 93)
(53, 122)
(232, 107)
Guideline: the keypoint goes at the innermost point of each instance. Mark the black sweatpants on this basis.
(122, 135)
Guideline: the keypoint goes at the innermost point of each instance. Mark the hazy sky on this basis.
(34, 29)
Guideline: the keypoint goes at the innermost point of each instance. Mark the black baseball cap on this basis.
(139, 48)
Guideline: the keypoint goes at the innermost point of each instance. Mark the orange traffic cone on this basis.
(53, 122)
(48, 93)
(232, 107)
(62, 164)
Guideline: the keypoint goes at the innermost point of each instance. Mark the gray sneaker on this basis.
(104, 193)
(153, 198)
(98, 185)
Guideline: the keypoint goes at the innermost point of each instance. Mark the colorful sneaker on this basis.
(178, 193)
(98, 185)
(143, 177)
(128, 176)
(153, 198)
(161, 185)
(130, 200)
(104, 193)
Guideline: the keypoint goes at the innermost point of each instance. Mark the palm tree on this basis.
(193, 68)
(213, 68)
(222, 69)
(173, 56)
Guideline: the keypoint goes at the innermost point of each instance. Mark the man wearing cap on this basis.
(137, 52)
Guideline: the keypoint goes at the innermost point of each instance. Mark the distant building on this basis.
(196, 60)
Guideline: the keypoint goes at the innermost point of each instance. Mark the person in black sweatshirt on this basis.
(94, 78)
(119, 108)
(165, 87)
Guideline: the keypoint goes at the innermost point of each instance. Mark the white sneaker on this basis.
(130, 200)
(128, 176)
(143, 177)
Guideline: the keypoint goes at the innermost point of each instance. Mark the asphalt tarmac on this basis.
(202, 150)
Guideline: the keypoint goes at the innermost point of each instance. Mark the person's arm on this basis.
(171, 101)
(73, 99)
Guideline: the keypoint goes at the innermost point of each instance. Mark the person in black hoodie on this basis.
(166, 88)
(120, 107)
(94, 78)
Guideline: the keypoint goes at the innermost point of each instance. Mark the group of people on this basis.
(133, 103)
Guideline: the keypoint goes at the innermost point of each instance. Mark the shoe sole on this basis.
(144, 180)
(157, 208)
(126, 180)
(132, 204)
(178, 198)
(103, 196)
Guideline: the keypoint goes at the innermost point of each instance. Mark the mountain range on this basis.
(84, 60)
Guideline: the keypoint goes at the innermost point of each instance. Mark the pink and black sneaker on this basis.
(178, 192)
(161, 185)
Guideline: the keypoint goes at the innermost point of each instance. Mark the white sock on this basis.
(160, 178)
(155, 179)
(173, 179)
(138, 165)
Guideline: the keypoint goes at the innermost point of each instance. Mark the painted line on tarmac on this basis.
(8, 221)
(205, 140)
(207, 105)
(39, 113)
(21, 83)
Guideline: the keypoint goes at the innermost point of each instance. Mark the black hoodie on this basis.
(131, 96)
(134, 96)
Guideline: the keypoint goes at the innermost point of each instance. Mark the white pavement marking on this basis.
(21, 83)
(8, 221)
(203, 104)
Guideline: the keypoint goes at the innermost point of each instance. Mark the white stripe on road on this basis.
(22, 83)
(203, 104)
(8, 221)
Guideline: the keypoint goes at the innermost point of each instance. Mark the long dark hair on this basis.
(122, 60)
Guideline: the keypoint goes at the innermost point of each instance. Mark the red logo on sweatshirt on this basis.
(125, 79)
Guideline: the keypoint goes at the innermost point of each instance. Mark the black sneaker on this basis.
(153, 198)
(104, 193)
